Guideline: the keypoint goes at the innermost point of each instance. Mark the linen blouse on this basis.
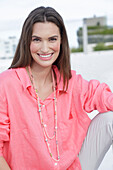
(21, 136)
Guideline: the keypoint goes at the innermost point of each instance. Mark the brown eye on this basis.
(36, 39)
(52, 39)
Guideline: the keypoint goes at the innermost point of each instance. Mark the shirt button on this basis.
(55, 163)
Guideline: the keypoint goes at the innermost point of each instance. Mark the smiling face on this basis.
(45, 44)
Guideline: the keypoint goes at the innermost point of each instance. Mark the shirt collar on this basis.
(24, 78)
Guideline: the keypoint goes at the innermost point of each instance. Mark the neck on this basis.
(42, 76)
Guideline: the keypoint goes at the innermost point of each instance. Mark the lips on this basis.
(45, 56)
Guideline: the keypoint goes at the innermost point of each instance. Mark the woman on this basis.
(44, 105)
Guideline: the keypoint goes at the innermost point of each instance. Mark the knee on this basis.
(105, 118)
(104, 121)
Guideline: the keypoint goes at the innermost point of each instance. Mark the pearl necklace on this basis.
(46, 136)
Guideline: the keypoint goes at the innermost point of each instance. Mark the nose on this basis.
(44, 47)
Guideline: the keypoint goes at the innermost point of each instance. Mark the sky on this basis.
(13, 13)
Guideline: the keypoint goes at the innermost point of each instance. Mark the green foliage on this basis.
(94, 27)
(74, 50)
(106, 31)
(102, 46)
(97, 27)
(96, 30)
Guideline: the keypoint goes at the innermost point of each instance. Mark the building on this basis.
(96, 21)
(8, 47)
(97, 32)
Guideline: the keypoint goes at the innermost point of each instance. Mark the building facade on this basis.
(97, 32)
(8, 47)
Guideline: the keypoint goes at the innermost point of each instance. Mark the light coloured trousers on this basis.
(97, 142)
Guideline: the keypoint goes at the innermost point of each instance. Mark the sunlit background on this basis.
(92, 65)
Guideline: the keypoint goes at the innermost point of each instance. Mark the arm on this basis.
(3, 164)
(95, 95)
(4, 130)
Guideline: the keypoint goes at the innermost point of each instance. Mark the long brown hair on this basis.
(23, 58)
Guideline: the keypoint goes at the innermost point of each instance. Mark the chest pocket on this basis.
(66, 130)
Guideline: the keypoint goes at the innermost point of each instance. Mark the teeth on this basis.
(44, 56)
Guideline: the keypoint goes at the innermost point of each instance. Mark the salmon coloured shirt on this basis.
(21, 136)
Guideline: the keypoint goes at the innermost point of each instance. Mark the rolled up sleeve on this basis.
(98, 96)
(4, 123)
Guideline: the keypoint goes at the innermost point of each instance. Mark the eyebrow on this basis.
(35, 36)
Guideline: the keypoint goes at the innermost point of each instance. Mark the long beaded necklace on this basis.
(46, 136)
